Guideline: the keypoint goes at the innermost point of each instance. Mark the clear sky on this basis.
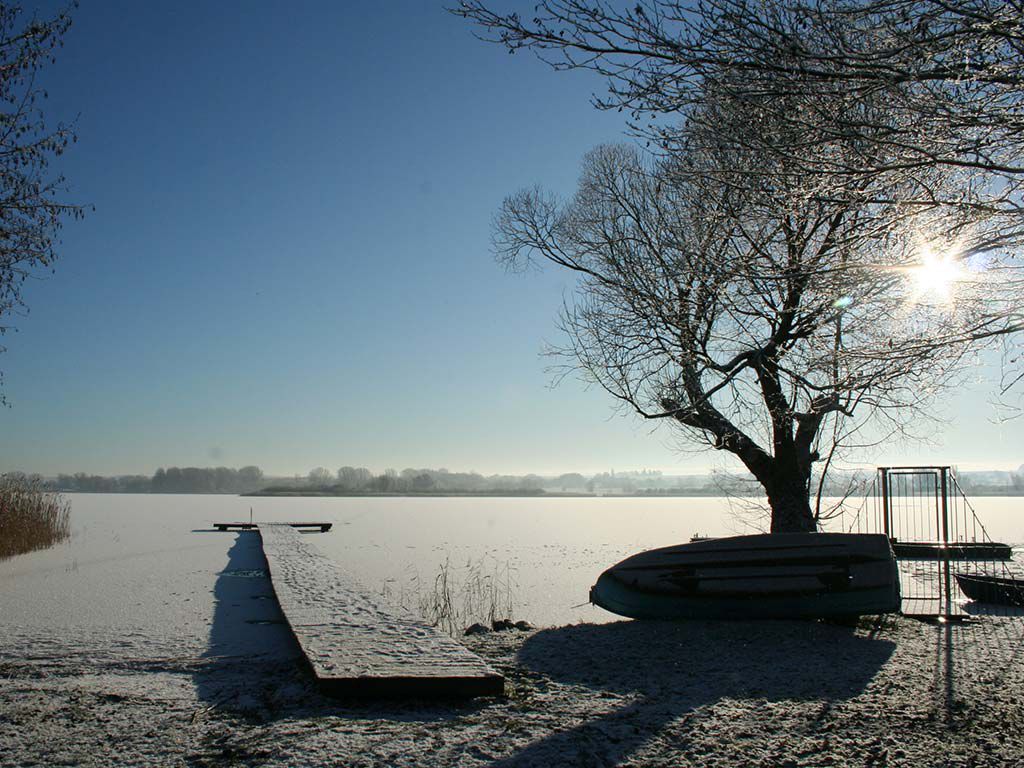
(289, 261)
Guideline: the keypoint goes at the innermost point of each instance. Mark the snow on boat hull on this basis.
(768, 576)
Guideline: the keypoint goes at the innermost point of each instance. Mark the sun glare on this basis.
(936, 276)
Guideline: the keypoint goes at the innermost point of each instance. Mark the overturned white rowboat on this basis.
(766, 576)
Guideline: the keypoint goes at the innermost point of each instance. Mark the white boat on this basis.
(786, 575)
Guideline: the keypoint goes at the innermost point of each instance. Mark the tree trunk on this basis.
(791, 507)
(785, 478)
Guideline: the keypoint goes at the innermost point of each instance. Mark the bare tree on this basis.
(30, 210)
(884, 96)
(352, 478)
(826, 237)
(886, 88)
(319, 476)
(719, 292)
(848, 175)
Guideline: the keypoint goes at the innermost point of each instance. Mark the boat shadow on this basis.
(669, 671)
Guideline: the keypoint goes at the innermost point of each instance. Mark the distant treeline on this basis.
(171, 480)
(354, 481)
(351, 481)
(348, 480)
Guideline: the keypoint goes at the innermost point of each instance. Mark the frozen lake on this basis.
(146, 560)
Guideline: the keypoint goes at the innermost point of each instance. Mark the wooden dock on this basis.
(955, 550)
(355, 644)
(324, 527)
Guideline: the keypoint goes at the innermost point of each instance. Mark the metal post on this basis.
(885, 502)
(945, 540)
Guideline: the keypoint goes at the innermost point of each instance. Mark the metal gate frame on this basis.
(940, 487)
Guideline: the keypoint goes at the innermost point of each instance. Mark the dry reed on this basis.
(482, 592)
(30, 517)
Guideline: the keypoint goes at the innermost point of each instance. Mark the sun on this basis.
(935, 278)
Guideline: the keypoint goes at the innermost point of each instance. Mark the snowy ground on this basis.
(644, 694)
(168, 651)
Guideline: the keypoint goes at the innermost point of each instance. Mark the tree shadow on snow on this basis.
(678, 667)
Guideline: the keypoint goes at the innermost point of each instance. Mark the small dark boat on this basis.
(992, 589)
(767, 576)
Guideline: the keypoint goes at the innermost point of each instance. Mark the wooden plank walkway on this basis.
(356, 645)
(957, 550)
(324, 527)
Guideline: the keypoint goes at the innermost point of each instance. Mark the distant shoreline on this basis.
(359, 482)
(709, 493)
(298, 492)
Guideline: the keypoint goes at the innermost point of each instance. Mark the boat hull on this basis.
(770, 576)
(992, 589)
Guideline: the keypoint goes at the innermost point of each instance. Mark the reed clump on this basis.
(481, 591)
(30, 516)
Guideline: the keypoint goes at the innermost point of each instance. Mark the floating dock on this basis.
(955, 550)
(357, 645)
(324, 527)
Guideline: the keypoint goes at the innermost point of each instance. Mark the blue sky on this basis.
(289, 261)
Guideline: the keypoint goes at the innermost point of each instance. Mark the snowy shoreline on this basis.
(625, 693)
